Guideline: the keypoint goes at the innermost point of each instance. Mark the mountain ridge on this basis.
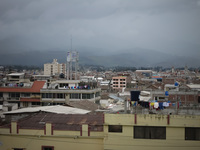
(131, 57)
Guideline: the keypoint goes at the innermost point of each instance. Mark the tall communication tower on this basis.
(72, 64)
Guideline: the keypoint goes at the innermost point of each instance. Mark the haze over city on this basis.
(136, 32)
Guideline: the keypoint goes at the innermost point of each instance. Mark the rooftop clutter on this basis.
(77, 87)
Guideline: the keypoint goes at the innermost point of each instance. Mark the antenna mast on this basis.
(71, 42)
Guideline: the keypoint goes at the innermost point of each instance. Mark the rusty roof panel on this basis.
(63, 122)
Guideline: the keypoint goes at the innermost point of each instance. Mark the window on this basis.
(91, 95)
(35, 103)
(115, 128)
(14, 95)
(60, 95)
(47, 148)
(97, 94)
(161, 98)
(54, 95)
(75, 96)
(87, 96)
(1, 94)
(149, 132)
(43, 95)
(49, 95)
(25, 94)
(84, 96)
(192, 133)
(46, 95)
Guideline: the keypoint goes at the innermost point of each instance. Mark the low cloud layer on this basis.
(169, 26)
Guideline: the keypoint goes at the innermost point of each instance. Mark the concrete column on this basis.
(185, 99)
(85, 130)
(67, 98)
(49, 129)
(21, 104)
(14, 129)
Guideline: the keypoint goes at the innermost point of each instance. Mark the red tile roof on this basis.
(37, 85)
(29, 99)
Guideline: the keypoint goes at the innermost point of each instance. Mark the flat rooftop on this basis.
(16, 74)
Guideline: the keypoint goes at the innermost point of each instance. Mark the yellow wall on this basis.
(175, 135)
(33, 139)
(59, 143)
(175, 132)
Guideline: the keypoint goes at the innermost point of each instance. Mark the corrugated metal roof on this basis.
(62, 121)
(194, 86)
(52, 109)
(84, 104)
(115, 97)
(37, 85)
(15, 74)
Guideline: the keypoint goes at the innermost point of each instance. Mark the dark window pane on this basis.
(47, 148)
(149, 132)
(115, 128)
(192, 133)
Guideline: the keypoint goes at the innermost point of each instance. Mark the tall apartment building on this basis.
(54, 68)
(119, 82)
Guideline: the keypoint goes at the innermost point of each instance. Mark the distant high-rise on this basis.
(72, 65)
(54, 68)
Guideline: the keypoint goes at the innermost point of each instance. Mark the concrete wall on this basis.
(34, 139)
(175, 132)
(59, 143)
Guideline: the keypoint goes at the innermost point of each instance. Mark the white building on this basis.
(54, 68)
(87, 78)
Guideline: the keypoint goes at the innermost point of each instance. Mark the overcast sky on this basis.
(111, 25)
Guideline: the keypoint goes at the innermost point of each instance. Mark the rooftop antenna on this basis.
(71, 42)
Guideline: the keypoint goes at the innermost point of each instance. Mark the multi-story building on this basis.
(54, 68)
(24, 96)
(45, 93)
(47, 131)
(185, 97)
(119, 82)
(64, 91)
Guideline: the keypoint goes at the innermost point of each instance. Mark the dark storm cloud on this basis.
(162, 25)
